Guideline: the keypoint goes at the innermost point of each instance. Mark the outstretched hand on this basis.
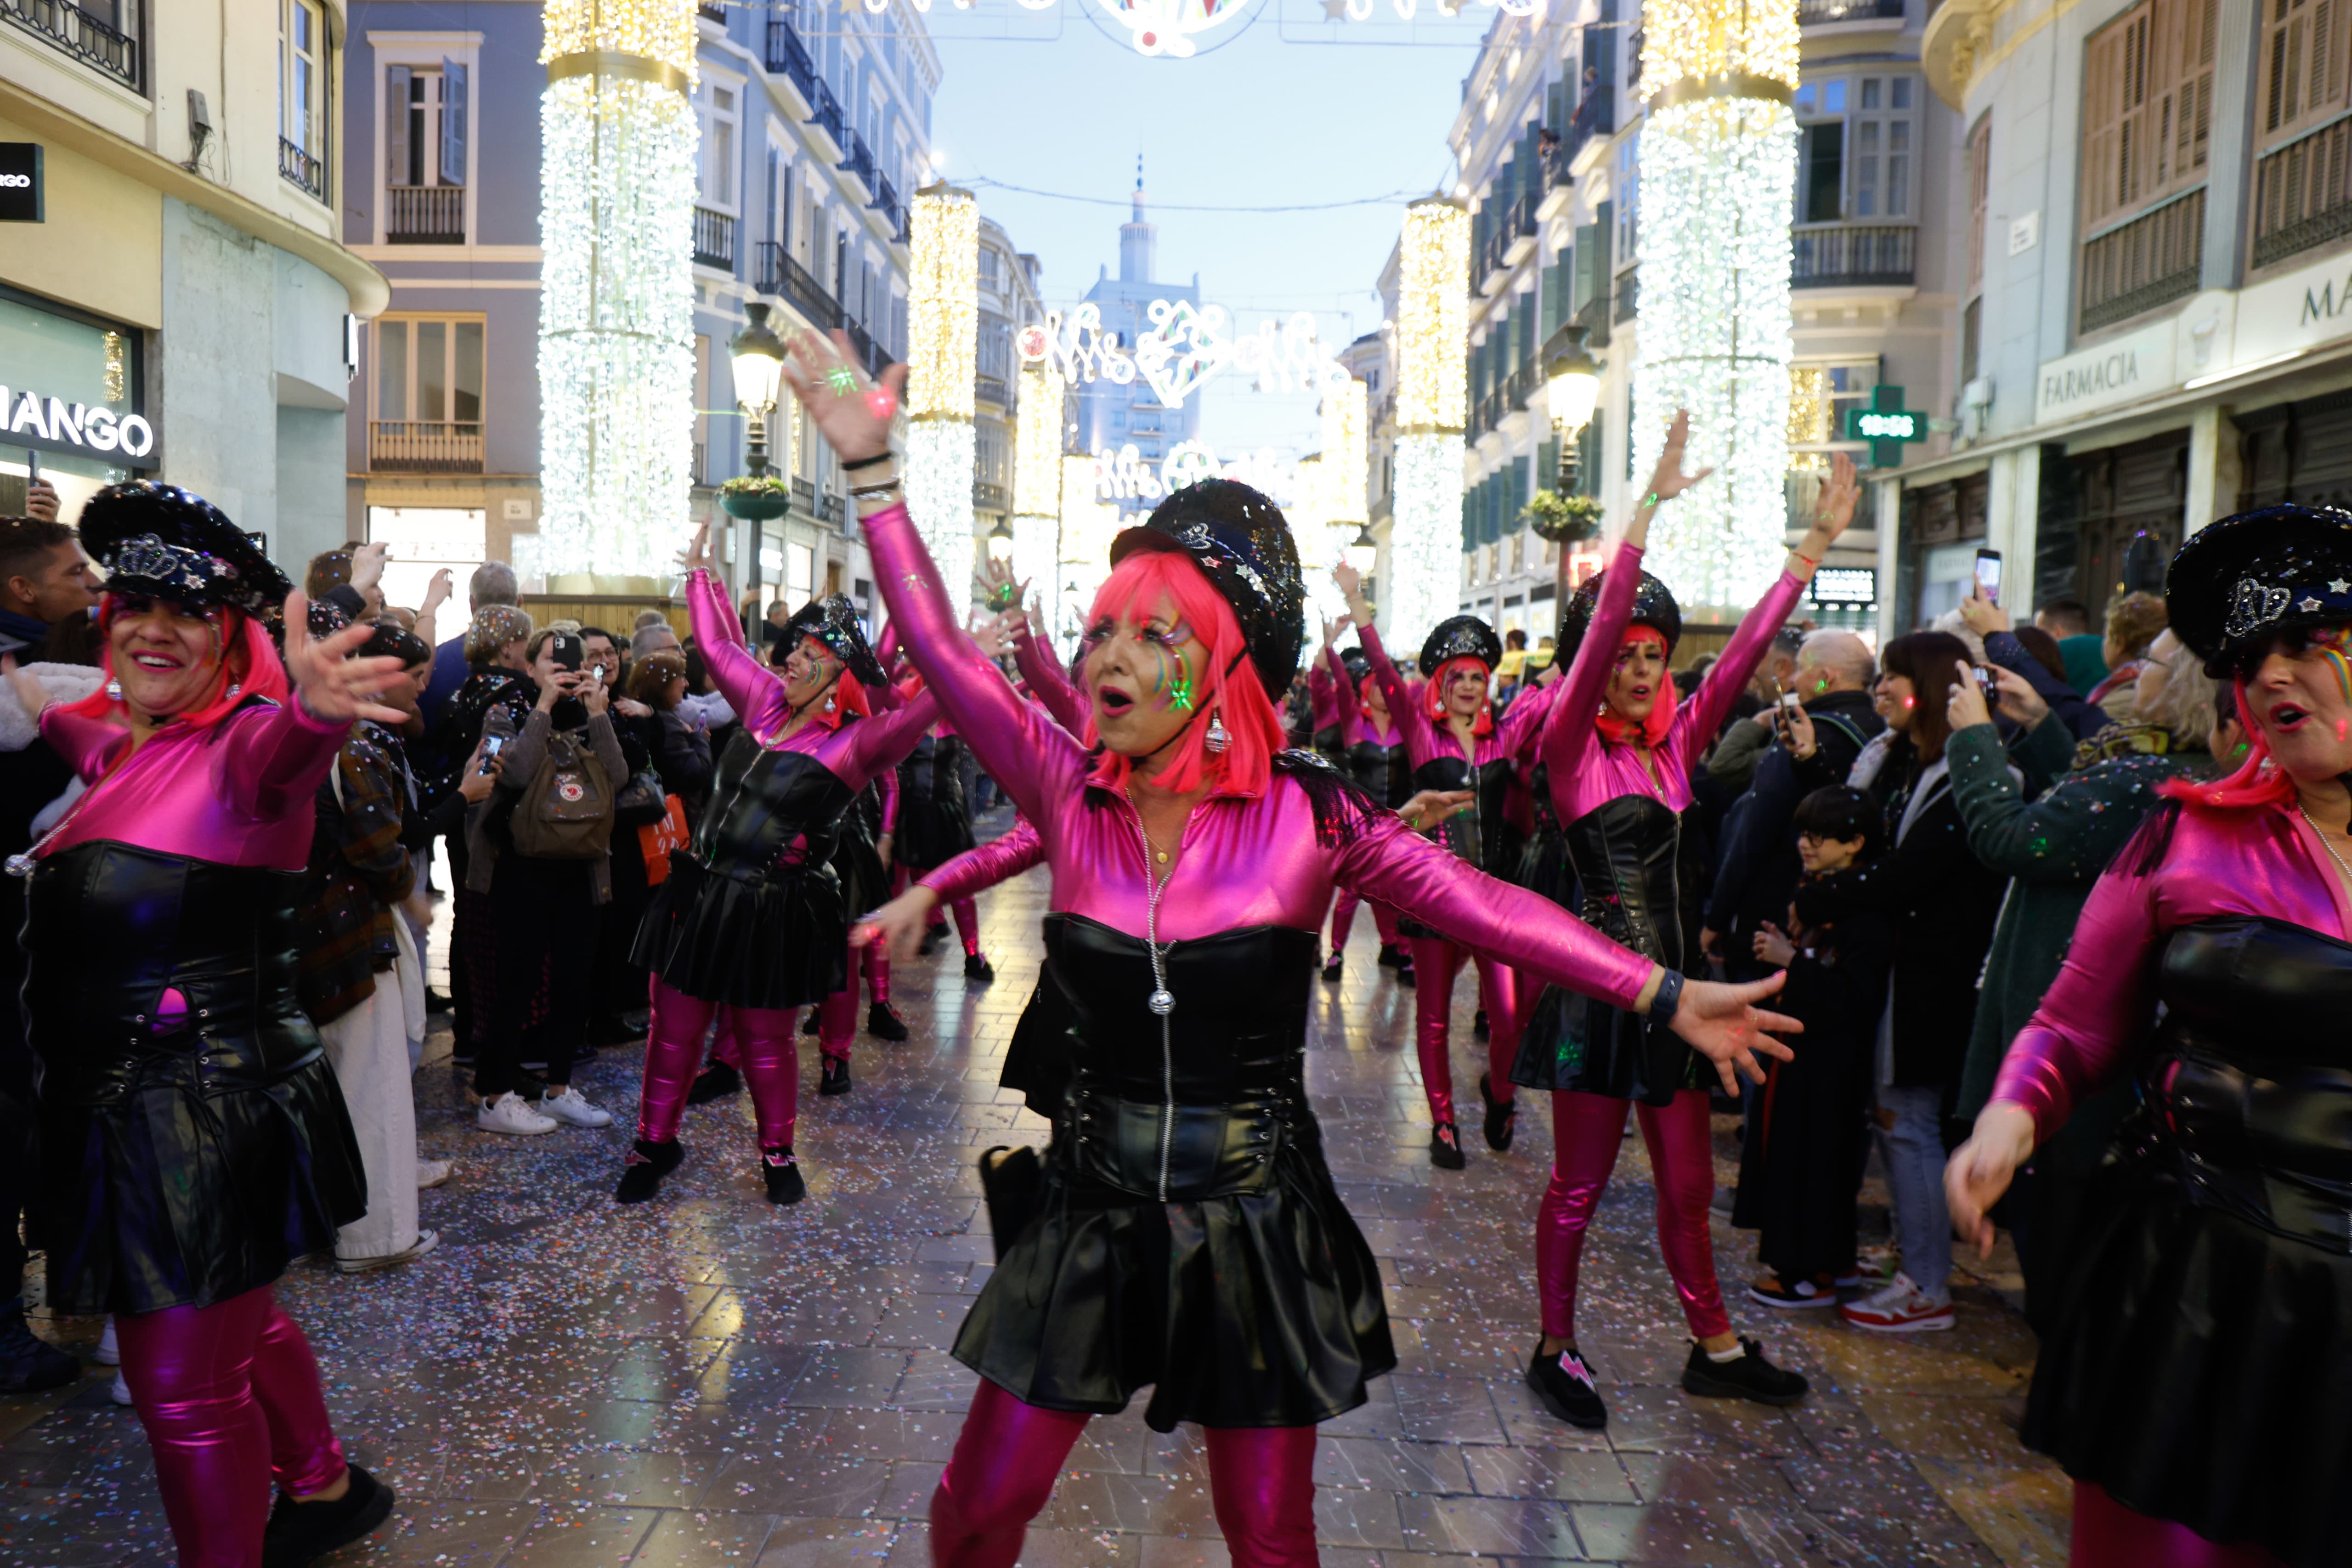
(839, 396)
(1722, 1023)
(695, 556)
(898, 923)
(1667, 480)
(332, 686)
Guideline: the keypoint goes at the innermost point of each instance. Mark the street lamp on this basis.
(1000, 542)
(1572, 384)
(757, 358)
(1364, 551)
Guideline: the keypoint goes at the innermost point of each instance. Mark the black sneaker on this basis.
(835, 1080)
(1391, 956)
(1566, 1386)
(648, 1163)
(882, 1022)
(1750, 1377)
(782, 1175)
(29, 1364)
(1478, 1024)
(977, 967)
(1332, 969)
(299, 1533)
(716, 1081)
(1502, 1116)
(1445, 1147)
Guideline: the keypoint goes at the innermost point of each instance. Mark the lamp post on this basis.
(756, 356)
(1364, 555)
(1000, 542)
(1572, 385)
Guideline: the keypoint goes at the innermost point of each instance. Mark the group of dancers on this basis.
(1182, 1231)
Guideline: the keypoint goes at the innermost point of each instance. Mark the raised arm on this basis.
(1049, 683)
(749, 686)
(1710, 705)
(998, 861)
(1567, 734)
(1350, 708)
(269, 760)
(1521, 731)
(879, 743)
(1418, 735)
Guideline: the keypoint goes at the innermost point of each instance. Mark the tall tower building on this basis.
(1111, 417)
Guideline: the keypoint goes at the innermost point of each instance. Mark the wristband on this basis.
(881, 457)
(1669, 999)
(1810, 561)
(882, 487)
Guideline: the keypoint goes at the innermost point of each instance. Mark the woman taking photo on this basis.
(1618, 749)
(751, 915)
(2192, 1380)
(1188, 1235)
(192, 1140)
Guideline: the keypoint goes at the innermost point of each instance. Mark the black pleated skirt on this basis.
(1258, 1310)
(780, 941)
(2199, 1367)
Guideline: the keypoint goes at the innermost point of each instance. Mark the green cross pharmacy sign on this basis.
(1886, 425)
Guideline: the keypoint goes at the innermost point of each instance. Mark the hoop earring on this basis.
(1215, 742)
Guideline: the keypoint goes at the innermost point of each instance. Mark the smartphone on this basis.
(491, 746)
(1987, 685)
(1988, 576)
(32, 467)
(565, 651)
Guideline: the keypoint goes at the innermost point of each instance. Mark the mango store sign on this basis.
(120, 438)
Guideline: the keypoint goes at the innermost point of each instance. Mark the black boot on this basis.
(1404, 975)
(834, 1079)
(1565, 1384)
(716, 1081)
(1332, 969)
(882, 1022)
(1750, 1377)
(302, 1532)
(1478, 1024)
(1502, 1115)
(808, 1025)
(977, 967)
(29, 1364)
(1391, 956)
(782, 1175)
(648, 1163)
(1445, 1147)
(932, 937)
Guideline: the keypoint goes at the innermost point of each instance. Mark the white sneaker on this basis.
(510, 1112)
(120, 1392)
(427, 1240)
(108, 1353)
(433, 1173)
(1902, 1308)
(568, 1104)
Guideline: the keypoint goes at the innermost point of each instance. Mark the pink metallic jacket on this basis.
(1247, 859)
(237, 794)
(1587, 772)
(1511, 738)
(2263, 861)
(1356, 722)
(998, 861)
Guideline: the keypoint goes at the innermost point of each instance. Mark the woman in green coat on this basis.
(2053, 847)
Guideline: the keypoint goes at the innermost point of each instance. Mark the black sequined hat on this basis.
(1463, 637)
(171, 544)
(1654, 606)
(391, 640)
(2246, 578)
(1357, 663)
(1239, 539)
(833, 621)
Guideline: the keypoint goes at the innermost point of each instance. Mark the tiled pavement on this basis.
(707, 1380)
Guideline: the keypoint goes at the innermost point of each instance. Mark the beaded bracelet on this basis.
(849, 468)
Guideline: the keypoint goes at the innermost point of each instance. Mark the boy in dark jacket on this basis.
(1801, 1166)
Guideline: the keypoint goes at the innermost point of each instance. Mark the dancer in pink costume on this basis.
(2191, 1379)
(1187, 1235)
(1617, 755)
(1373, 752)
(192, 1137)
(751, 915)
(1455, 744)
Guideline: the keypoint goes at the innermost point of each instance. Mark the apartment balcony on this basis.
(424, 446)
(2303, 194)
(297, 168)
(824, 118)
(1508, 242)
(1596, 116)
(804, 496)
(1855, 256)
(789, 60)
(2152, 260)
(777, 273)
(831, 508)
(875, 357)
(1818, 13)
(986, 496)
(712, 11)
(992, 389)
(886, 202)
(78, 35)
(425, 215)
(714, 240)
(1628, 294)
(857, 161)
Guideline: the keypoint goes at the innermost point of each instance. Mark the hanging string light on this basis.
(1433, 410)
(942, 358)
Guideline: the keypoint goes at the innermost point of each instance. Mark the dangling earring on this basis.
(235, 686)
(829, 702)
(1215, 742)
(113, 689)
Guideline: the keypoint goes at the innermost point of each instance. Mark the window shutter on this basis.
(396, 81)
(453, 122)
(1546, 463)
(1980, 191)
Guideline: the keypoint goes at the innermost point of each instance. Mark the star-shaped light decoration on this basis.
(2308, 604)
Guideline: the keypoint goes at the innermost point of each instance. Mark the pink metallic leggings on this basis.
(229, 1395)
(2109, 1535)
(1343, 920)
(1436, 961)
(1261, 1479)
(1586, 1131)
(765, 1052)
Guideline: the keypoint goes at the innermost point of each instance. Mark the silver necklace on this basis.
(1161, 1001)
(2323, 844)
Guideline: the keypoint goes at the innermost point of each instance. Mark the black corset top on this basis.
(1624, 852)
(1483, 835)
(771, 813)
(1381, 772)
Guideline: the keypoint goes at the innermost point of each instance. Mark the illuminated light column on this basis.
(942, 358)
(1433, 409)
(1037, 484)
(1087, 525)
(1344, 510)
(617, 289)
(1718, 169)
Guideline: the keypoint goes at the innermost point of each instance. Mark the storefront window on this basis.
(70, 390)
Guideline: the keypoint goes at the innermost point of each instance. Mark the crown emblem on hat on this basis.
(2256, 604)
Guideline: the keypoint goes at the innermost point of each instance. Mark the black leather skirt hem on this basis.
(768, 945)
(2197, 1367)
(1570, 1041)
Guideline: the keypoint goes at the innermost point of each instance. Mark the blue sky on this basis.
(1273, 116)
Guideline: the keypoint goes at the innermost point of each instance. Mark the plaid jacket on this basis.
(358, 871)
